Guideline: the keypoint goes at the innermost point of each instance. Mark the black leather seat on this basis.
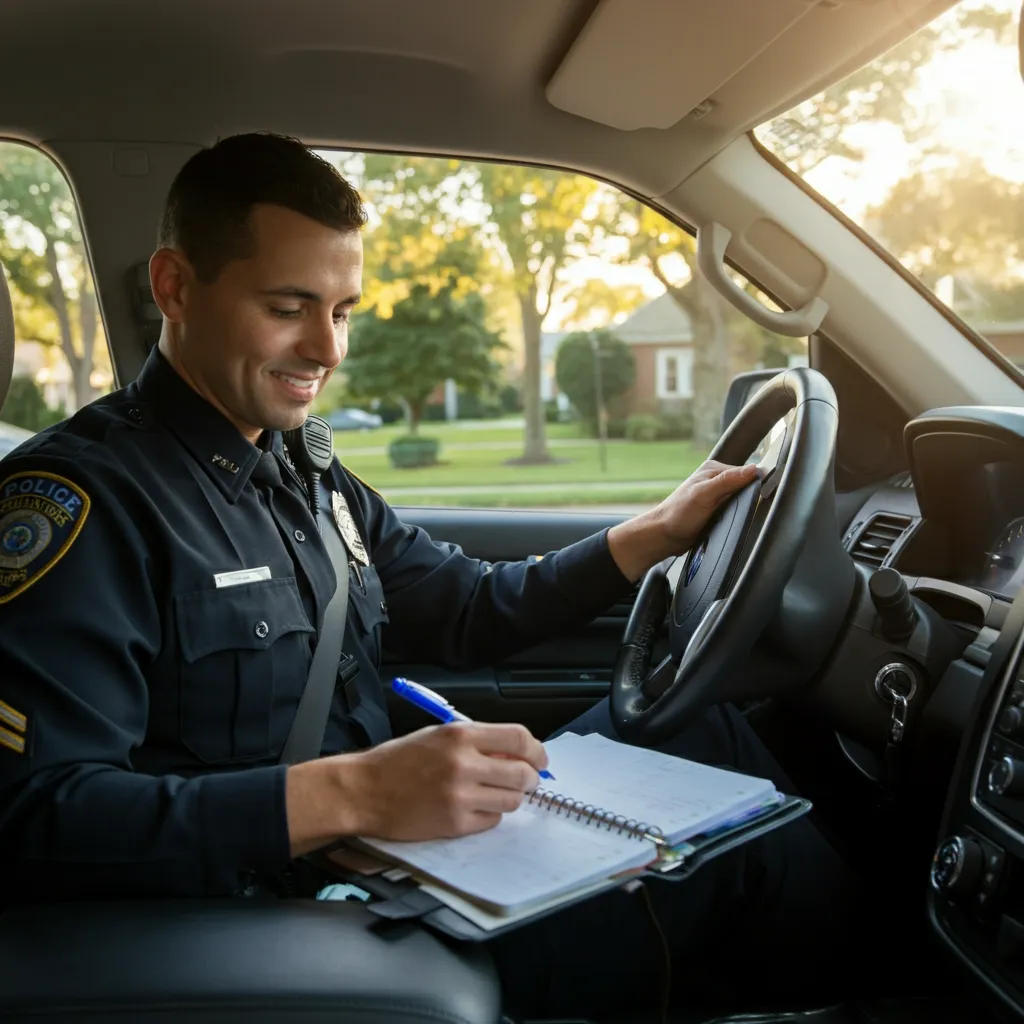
(227, 961)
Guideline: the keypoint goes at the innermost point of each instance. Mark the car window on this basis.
(61, 359)
(530, 338)
(922, 149)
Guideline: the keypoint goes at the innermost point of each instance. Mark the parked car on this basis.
(11, 436)
(353, 419)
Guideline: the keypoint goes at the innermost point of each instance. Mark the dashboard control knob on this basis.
(1011, 719)
(1006, 777)
(957, 866)
(892, 601)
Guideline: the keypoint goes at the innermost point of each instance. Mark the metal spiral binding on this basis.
(546, 800)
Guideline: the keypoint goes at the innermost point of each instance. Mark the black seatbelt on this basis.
(306, 737)
(311, 448)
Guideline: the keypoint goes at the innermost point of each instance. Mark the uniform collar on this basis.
(211, 438)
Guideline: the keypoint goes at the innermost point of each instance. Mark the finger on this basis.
(506, 773)
(491, 800)
(513, 740)
(730, 480)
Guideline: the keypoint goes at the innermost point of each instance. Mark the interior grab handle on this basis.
(712, 240)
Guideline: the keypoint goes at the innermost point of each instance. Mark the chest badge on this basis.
(347, 528)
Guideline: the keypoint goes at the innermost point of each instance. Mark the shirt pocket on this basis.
(370, 607)
(240, 647)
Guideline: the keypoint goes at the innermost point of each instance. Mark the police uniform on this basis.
(162, 584)
(142, 706)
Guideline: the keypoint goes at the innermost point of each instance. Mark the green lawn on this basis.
(491, 482)
(475, 431)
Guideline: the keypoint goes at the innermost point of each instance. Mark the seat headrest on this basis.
(6, 337)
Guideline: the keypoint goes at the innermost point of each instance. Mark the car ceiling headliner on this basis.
(468, 77)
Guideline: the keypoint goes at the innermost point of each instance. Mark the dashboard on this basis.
(952, 528)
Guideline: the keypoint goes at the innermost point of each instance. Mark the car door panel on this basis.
(543, 687)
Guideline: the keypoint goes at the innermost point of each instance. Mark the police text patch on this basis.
(41, 514)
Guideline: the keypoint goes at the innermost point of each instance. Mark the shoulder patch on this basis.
(41, 514)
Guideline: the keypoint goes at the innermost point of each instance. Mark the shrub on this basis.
(411, 451)
(678, 427)
(641, 427)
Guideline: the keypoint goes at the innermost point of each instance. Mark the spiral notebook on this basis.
(617, 809)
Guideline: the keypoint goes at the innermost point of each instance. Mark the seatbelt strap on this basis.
(306, 738)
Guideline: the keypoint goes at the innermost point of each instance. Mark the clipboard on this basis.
(404, 899)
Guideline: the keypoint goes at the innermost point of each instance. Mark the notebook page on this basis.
(681, 797)
(530, 856)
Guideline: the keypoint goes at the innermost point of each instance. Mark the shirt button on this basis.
(384, 607)
(135, 414)
(262, 629)
(299, 536)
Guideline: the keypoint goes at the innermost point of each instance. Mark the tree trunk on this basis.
(710, 363)
(535, 449)
(59, 302)
(88, 316)
(415, 415)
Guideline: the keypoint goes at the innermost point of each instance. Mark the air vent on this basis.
(878, 538)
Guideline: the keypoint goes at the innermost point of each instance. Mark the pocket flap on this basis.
(250, 616)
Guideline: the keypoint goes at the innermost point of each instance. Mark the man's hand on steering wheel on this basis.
(673, 526)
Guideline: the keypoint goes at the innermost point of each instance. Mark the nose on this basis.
(325, 342)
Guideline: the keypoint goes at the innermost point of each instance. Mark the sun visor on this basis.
(649, 63)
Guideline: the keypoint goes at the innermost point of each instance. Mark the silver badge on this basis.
(347, 528)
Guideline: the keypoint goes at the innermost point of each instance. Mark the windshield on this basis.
(924, 149)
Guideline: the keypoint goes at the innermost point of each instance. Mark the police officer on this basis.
(162, 583)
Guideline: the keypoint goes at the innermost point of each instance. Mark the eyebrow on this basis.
(295, 292)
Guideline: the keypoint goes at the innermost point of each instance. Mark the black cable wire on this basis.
(666, 988)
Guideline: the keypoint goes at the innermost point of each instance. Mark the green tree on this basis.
(41, 245)
(574, 369)
(429, 338)
(597, 302)
(954, 218)
(881, 92)
(540, 220)
(660, 246)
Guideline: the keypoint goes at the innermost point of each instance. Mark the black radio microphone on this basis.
(311, 447)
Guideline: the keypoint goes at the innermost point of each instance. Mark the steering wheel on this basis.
(769, 570)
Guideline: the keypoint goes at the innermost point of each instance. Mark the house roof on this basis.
(660, 321)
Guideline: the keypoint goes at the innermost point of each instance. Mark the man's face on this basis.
(262, 339)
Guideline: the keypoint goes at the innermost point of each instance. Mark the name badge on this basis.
(233, 579)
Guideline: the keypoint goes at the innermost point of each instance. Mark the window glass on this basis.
(61, 359)
(924, 149)
(515, 316)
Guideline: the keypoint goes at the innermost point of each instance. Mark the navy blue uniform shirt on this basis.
(142, 706)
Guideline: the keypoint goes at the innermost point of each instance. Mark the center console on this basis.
(976, 900)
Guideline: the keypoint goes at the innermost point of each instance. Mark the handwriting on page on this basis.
(676, 795)
(530, 855)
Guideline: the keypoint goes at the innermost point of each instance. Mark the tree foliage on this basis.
(430, 337)
(574, 369)
(41, 245)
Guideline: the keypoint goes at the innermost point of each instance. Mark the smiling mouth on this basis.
(298, 382)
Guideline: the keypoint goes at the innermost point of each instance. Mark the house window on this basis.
(675, 373)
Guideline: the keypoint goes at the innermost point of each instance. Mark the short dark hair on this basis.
(207, 211)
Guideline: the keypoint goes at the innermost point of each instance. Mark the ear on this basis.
(171, 278)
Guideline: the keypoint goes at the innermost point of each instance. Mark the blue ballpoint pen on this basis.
(434, 704)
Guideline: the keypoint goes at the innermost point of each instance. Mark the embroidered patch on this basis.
(41, 514)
